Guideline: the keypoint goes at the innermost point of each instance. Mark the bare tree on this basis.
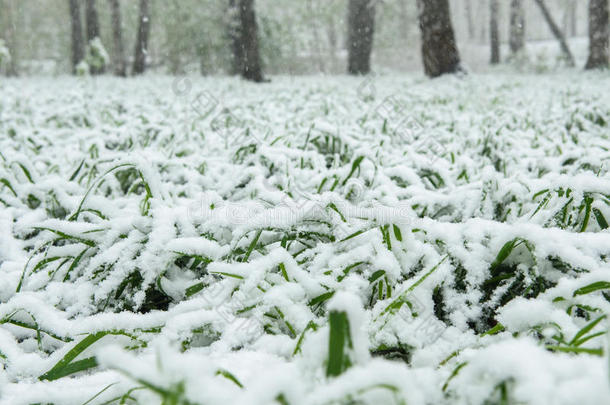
(8, 20)
(92, 21)
(494, 32)
(331, 36)
(251, 67)
(361, 26)
(482, 16)
(569, 18)
(234, 34)
(317, 41)
(120, 64)
(599, 35)
(439, 50)
(573, 17)
(139, 62)
(517, 26)
(93, 32)
(565, 49)
(78, 44)
(470, 20)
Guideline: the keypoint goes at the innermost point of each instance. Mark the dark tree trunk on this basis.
(93, 24)
(439, 50)
(494, 32)
(599, 35)
(361, 26)
(93, 31)
(251, 68)
(78, 44)
(234, 33)
(470, 20)
(517, 26)
(120, 65)
(139, 62)
(565, 49)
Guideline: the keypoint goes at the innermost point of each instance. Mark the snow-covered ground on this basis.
(308, 241)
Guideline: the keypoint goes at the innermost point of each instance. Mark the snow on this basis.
(214, 246)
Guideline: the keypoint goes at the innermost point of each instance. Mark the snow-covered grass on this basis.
(308, 241)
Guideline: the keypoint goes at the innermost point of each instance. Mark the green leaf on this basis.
(338, 344)
(599, 285)
(505, 252)
(252, 245)
(321, 298)
(194, 289)
(229, 376)
(355, 166)
(397, 233)
(586, 329)
(8, 185)
(66, 367)
(601, 220)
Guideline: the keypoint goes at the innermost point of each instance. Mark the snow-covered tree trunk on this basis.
(439, 50)
(249, 41)
(494, 32)
(599, 35)
(361, 26)
(565, 49)
(78, 44)
(120, 64)
(139, 63)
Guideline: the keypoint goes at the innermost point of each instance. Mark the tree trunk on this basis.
(494, 32)
(565, 49)
(120, 65)
(93, 31)
(139, 62)
(361, 26)
(517, 26)
(404, 16)
(599, 35)
(234, 33)
(569, 18)
(78, 44)
(331, 34)
(93, 24)
(251, 69)
(573, 19)
(317, 42)
(482, 16)
(470, 20)
(10, 24)
(439, 51)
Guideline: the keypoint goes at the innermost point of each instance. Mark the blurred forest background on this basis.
(295, 36)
